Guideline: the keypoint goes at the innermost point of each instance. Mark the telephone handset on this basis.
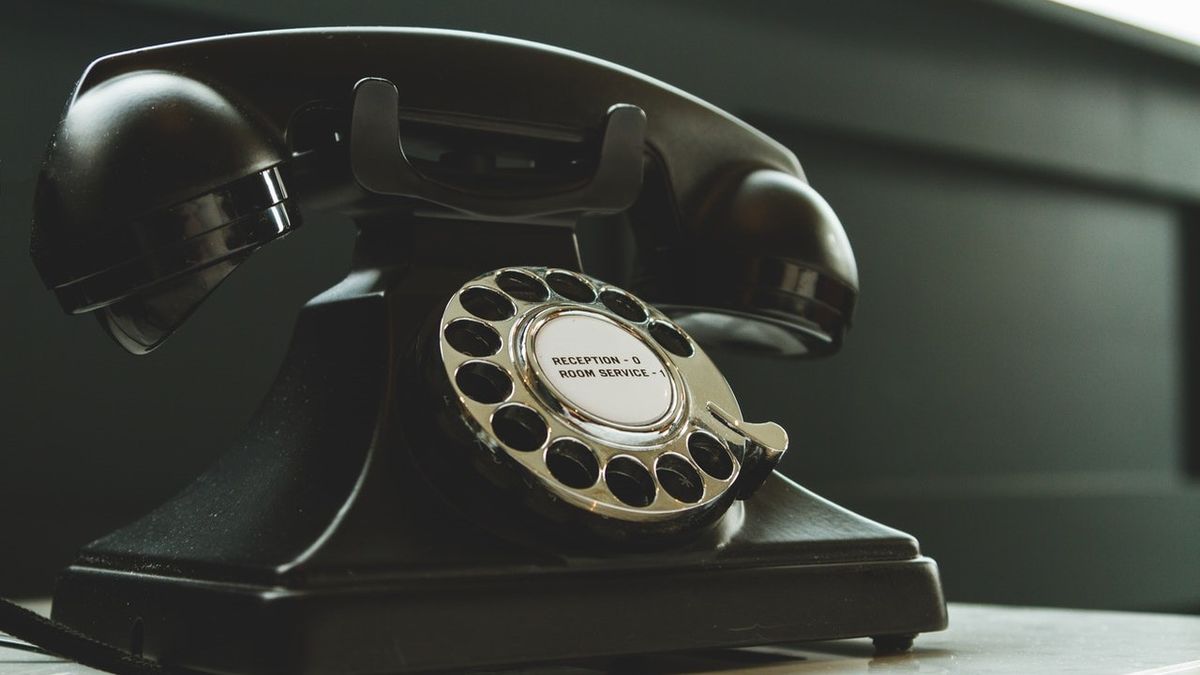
(468, 409)
(173, 163)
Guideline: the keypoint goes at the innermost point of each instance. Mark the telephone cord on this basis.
(36, 633)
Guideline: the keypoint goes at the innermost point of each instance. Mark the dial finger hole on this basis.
(572, 463)
(470, 337)
(486, 304)
(710, 455)
(671, 338)
(571, 287)
(519, 428)
(522, 286)
(679, 478)
(629, 481)
(483, 382)
(623, 306)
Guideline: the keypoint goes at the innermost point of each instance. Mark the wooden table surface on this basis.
(981, 639)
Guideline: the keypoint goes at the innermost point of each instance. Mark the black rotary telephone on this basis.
(475, 454)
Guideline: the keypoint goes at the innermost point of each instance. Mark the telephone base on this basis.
(319, 543)
(432, 620)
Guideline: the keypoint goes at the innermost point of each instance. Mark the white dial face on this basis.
(603, 369)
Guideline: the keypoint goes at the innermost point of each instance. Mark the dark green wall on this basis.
(1015, 183)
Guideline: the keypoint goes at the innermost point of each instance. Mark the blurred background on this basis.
(1020, 181)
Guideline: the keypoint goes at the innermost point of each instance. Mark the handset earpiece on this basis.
(156, 187)
(770, 269)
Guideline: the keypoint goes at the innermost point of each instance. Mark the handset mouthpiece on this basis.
(770, 271)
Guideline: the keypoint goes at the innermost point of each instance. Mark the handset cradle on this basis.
(380, 166)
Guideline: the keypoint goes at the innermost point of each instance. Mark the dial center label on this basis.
(603, 370)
